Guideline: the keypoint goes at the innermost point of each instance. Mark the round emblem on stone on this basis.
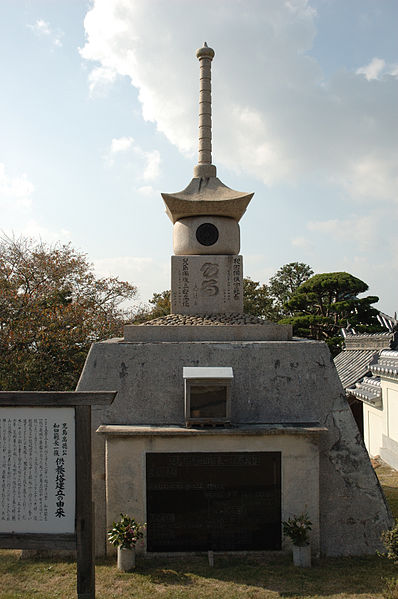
(207, 234)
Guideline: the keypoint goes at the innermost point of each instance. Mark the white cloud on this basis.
(15, 192)
(364, 230)
(17, 209)
(373, 177)
(121, 144)
(372, 70)
(152, 167)
(376, 68)
(100, 80)
(32, 228)
(147, 190)
(364, 244)
(278, 120)
(302, 243)
(149, 168)
(43, 29)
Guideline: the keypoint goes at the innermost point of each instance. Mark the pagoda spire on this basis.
(205, 168)
(205, 194)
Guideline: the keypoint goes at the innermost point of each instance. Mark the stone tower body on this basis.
(224, 425)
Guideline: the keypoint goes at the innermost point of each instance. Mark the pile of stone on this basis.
(205, 320)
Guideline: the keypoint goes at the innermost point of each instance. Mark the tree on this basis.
(257, 300)
(324, 304)
(161, 307)
(285, 282)
(318, 306)
(52, 307)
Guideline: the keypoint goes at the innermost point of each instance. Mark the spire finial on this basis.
(204, 167)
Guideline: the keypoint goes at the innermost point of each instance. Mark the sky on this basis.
(98, 115)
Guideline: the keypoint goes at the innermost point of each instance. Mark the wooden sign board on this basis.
(37, 466)
(45, 473)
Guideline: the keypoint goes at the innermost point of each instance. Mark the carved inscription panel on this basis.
(204, 501)
(202, 284)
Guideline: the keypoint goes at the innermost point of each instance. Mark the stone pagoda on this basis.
(224, 425)
(206, 271)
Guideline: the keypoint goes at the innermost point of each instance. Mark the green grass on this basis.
(231, 578)
(388, 478)
(192, 578)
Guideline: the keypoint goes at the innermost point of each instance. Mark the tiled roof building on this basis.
(368, 370)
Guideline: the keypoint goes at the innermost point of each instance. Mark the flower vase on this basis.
(302, 556)
(125, 559)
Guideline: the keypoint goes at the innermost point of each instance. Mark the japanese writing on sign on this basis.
(37, 469)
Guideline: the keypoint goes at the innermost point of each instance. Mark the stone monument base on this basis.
(208, 327)
(286, 397)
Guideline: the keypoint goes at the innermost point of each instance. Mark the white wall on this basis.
(381, 424)
(389, 450)
(126, 475)
(373, 429)
(391, 404)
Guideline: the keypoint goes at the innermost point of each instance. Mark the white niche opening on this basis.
(207, 391)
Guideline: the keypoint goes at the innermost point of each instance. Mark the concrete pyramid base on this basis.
(287, 392)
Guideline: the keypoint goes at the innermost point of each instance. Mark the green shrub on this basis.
(390, 541)
(297, 529)
(390, 590)
(125, 532)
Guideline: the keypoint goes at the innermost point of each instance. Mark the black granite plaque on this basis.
(226, 501)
